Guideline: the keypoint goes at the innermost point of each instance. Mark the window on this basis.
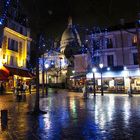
(134, 40)
(110, 60)
(20, 47)
(135, 58)
(16, 61)
(11, 60)
(12, 45)
(109, 43)
(3, 56)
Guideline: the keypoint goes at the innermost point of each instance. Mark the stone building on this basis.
(117, 50)
(15, 48)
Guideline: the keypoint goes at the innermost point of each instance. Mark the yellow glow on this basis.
(17, 34)
(135, 39)
(1, 65)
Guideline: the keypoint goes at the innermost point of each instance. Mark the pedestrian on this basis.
(84, 91)
(24, 87)
(30, 86)
(129, 92)
(21, 88)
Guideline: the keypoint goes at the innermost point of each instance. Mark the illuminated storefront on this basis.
(118, 81)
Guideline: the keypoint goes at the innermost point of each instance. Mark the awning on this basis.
(20, 72)
(3, 75)
(79, 75)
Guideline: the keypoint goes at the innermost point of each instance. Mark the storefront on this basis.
(117, 81)
(11, 76)
(77, 81)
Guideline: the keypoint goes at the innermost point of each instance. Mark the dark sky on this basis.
(51, 15)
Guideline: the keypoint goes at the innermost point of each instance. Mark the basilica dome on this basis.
(69, 35)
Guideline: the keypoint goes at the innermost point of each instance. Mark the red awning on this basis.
(20, 72)
(3, 75)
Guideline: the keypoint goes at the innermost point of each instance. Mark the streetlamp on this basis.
(47, 67)
(101, 66)
(60, 65)
(73, 71)
(94, 88)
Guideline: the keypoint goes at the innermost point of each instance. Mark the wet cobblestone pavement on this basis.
(70, 117)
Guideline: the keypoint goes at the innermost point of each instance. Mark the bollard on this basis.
(4, 119)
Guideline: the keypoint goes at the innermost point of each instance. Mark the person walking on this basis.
(84, 91)
(24, 87)
(30, 86)
(129, 92)
(21, 88)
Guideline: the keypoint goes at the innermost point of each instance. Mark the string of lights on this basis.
(4, 12)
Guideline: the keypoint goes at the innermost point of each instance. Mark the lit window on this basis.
(134, 40)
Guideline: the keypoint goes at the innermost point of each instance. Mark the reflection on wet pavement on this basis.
(70, 117)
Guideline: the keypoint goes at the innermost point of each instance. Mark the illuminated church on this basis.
(59, 63)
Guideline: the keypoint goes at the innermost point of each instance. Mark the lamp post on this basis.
(60, 64)
(101, 66)
(73, 72)
(47, 67)
(94, 88)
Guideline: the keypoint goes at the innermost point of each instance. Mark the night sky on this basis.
(51, 15)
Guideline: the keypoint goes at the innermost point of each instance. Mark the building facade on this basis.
(117, 51)
(55, 68)
(15, 49)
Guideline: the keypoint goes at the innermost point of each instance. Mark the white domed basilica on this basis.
(69, 36)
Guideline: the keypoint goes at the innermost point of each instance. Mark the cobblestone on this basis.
(70, 117)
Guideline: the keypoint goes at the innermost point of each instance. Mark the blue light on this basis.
(0, 22)
(52, 63)
(108, 68)
(4, 12)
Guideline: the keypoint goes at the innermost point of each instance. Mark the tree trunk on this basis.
(37, 108)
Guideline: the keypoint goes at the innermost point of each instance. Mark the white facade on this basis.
(55, 67)
(118, 51)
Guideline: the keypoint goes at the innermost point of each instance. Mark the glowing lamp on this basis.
(108, 69)
(46, 65)
(101, 65)
(94, 70)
